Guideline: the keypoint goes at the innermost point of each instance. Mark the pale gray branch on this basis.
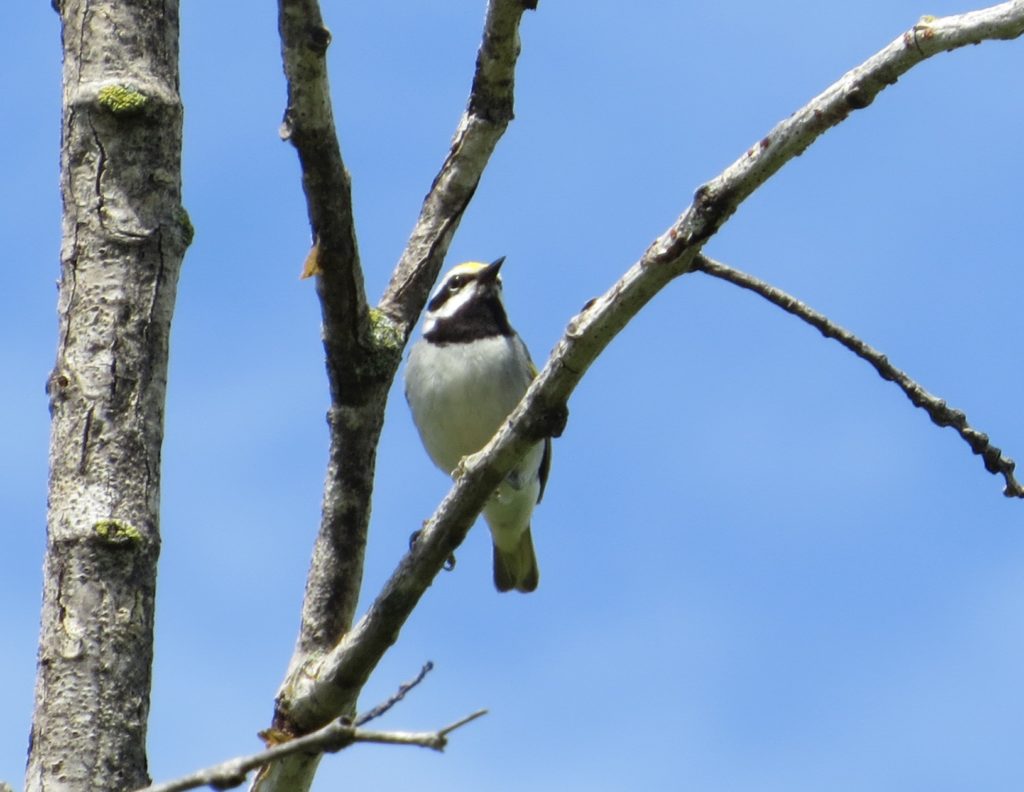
(940, 412)
(488, 113)
(332, 587)
(124, 237)
(335, 736)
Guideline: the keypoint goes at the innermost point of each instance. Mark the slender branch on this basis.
(940, 412)
(488, 113)
(438, 740)
(716, 200)
(400, 694)
(338, 677)
(335, 736)
(332, 587)
(309, 125)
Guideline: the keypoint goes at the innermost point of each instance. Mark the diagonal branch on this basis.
(489, 111)
(337, 677)
(716, 200)
(399, 694)
(940, 412)
(309, 125)
(332, 587)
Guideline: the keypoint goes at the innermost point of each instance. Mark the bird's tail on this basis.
(517, 568)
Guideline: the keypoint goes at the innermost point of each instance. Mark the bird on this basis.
(463, 378)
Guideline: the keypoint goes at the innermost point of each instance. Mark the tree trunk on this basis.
(124, 236)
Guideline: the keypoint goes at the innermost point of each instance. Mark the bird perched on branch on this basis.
(463, 379)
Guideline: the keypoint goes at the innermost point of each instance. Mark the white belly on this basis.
(458, 413)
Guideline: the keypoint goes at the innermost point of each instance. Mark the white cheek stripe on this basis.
(471, 291)
(454, 304)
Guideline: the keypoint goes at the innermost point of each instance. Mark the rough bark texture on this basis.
(354, 377)
(124, 236)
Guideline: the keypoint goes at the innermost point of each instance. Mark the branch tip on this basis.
(460, 723)
(938, 410)
(403, 689)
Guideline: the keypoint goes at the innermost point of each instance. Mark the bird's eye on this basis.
(455, 282)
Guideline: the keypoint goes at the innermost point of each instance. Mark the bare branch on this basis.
(400, 694)
(309, 125)
(335, 736)
(488, 113)
(332, 587)
(937, 409)
(715, 201)
(438, 740)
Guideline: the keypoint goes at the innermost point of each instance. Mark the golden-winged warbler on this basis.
(464, 377)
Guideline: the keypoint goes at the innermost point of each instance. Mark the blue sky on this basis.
(761, 568)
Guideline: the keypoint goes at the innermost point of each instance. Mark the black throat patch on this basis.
(477, 319)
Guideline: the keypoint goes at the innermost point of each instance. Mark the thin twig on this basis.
(462, 722)
(400, 694)
(335, 736)
(940, 412)
(437, 741)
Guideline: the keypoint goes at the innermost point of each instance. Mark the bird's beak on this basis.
(489, 274)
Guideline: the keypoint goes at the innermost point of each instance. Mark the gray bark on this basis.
(124, 236)
(357, 389)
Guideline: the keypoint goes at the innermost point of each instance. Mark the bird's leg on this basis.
(449, 563)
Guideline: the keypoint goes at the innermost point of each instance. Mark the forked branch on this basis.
(335, 736)
(364, 347)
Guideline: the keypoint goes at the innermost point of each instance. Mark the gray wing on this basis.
(545, 461)
(545, 467)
